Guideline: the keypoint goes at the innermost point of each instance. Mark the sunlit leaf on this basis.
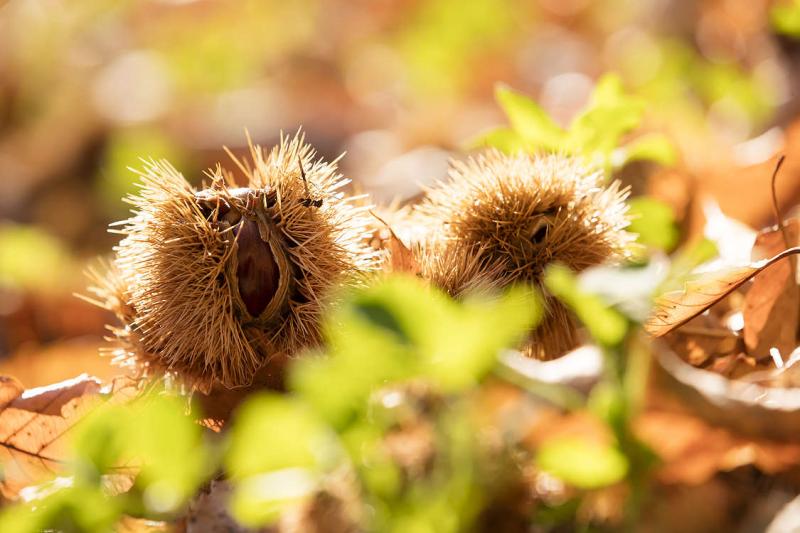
(125, 150)
(401, 329)
(672, 310)
(259, 500)
(652, 147)
(504, 139)
(527, 119)
(654, 222)
(772, 303)
(33, 427)
(154, 435)
(610, 114)
(785, 17)
(582, 464)
(596, 132)
(273, 432)
(33, 259)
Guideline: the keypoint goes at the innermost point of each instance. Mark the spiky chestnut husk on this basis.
(211, 284)
(502, 219)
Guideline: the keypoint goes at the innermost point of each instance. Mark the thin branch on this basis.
(778, 214)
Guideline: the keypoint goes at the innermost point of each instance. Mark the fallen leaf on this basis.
(32, 426)
(674, 309)
(704, 339)
(34, 422)
(401, 257)
(772, 305)
(692, 452)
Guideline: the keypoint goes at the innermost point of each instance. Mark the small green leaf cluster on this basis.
(597, 132)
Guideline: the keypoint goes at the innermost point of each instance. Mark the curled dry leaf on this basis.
(772, 305)
(674, 309)
(401, 257)
(33, 425)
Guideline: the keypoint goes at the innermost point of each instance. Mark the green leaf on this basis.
(466, 346)
(401, 329)
(654, 222)
(126, 149)
(277, 451)
(504, 139)
(273, 432)
(529, 120)
(154, 433)
(606, 325)
(610, 114)
(33, 259)
(259, 500)
(71, 508)
(582, 464)
(652, 147)
(440, 40)
(785, 18)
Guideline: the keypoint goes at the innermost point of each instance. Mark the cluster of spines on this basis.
(170, 283)
(500, 220)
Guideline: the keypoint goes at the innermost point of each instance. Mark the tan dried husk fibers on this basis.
(502, 219)
(172, 284)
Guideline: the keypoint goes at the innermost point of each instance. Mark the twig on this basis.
(778, 214)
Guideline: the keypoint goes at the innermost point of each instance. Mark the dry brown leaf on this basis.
(772, 305)
(693, 451)
(674, 309)
(401, 257)
(34, 422)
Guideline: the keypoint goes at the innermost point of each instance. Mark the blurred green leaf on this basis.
(79, 508)
(465, 349)
(273, 432)
(654, 223)
(259, 500)
(504, 139)
(785, 17)
(610, 114)
(441, 39)
(595, 133)
(401, 329)
(529, 120)
(651, 147)
(606, 325)
(582, 464)
(155, 434)
(33, 259)
(125, 150)
(206, 54)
